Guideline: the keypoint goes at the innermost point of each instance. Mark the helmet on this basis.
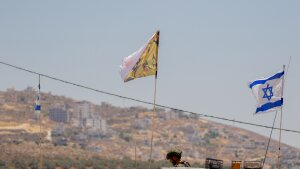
(172, 153)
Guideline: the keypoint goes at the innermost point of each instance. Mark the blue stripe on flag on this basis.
(270, 105)
(37, 107)
(276, 76)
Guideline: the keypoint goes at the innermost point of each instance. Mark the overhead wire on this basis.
(146, 102)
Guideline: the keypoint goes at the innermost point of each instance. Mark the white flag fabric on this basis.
(129, 62)
(268, 92)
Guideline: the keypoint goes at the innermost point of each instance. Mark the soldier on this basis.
(174, 156)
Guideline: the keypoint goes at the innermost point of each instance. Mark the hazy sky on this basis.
(209, 50)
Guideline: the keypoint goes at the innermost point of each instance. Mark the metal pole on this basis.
(269, 140)
(280, 121)
(135, 163)
(39, 115)
(152, 128)
(135, 144)
(154, 102)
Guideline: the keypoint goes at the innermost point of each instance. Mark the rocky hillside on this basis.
(80, 129)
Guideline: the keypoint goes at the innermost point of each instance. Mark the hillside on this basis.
(82, 130)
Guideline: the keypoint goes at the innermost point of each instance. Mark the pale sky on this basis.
(209, 51)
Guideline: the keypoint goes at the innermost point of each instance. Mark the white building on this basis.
(103, 126)
(96, 123)
(83, 111)
(169, 115)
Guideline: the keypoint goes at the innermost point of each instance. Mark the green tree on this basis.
(49, 164)
(19, 163)
(33, 164)
(2, 164)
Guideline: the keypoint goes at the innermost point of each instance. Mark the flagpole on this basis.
(280, 120)
(40, 141)
(135, 164)
(135, 144)
(152, 119)
(269, 140)
(154, 101)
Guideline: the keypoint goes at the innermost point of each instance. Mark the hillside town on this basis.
(81, 129)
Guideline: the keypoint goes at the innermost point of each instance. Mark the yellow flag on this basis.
(142, 62)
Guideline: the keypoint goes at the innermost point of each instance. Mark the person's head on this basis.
(174, 156)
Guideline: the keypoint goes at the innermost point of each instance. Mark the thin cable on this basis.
(145, 102)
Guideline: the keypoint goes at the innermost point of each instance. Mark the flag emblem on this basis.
(142, 62)
(268, 92)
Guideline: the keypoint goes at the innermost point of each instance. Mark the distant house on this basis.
(2, 101)
(80, 137)
(141, 123)
(98, 124)
(58, 114)
(103, 125)
(58, 130)
(83, 111)
(169, 115)
(61, 142)
(95, 149)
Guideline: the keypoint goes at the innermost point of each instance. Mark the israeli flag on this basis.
(37, 106)
(268, 92)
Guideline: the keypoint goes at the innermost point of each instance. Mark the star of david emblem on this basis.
(268, 93)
